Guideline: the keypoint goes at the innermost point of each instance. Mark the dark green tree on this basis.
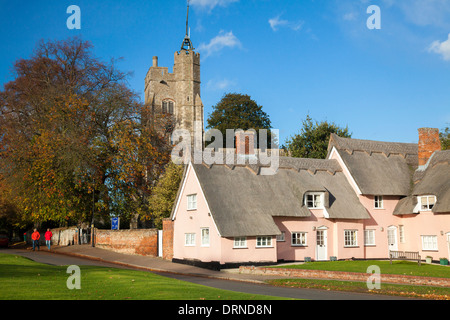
(238, 111)
(444, 135)
(312, 141)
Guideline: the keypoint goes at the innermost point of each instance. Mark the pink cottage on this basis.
(365, 199)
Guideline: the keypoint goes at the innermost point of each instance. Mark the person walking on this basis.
(48, 238)
(35, 236)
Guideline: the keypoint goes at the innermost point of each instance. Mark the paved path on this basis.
(87, 255)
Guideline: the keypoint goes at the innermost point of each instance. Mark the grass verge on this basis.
(24, 279)
(397, 267)
(423, 292)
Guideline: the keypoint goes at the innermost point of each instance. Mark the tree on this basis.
(71, 134)
(444, 135)
(164, 194)
(312, 141)
(238, 111)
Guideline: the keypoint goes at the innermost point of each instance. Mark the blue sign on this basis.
(115, 223)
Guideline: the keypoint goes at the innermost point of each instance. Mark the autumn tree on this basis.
(164, 194)
(71, 135)
(312, 141)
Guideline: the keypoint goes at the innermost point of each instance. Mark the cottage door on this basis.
(321, 244)
(392, 238)
(448, 244)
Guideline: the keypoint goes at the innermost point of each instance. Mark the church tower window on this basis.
(168, 106)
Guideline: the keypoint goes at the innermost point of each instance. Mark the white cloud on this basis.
(424, 12)
(442, 48)
(220, 84)
(219, 42)
(211, 4)
(277, 22)
(349, 16)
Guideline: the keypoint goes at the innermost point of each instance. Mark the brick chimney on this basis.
(429, 142)
(245, 142)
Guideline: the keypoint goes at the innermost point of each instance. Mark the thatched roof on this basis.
(244, 202)
(379, 168)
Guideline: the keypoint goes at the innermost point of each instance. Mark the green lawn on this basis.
(397, 267)
(22, 278)
(422, 292)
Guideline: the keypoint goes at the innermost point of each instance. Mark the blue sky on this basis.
(294, 58)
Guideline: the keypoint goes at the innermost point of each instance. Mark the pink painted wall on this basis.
(249, 254)
(380, 221)
(192, 221)
(427, 223)
(335, 231)
(220, 249)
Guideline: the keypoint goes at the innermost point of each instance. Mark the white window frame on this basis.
(299, 239)
(401, 231)
(281, 237)
(378, 202)
(189, 239)
(369, 237)
(264, 242)
(192, 202)
(205, 237)
(240, 242)
(429, 242)
(350, 238)
(316, 200)
(427, 205)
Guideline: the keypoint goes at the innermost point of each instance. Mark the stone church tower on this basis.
(178, 93)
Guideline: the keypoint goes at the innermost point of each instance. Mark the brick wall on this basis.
(137, 241)
(167, 239)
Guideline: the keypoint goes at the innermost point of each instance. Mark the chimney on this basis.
(155, 61)
(245, 142)
(429, 142)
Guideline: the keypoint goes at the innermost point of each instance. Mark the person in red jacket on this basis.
(48, 238)
(35, 236)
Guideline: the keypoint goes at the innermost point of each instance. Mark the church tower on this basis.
(178, 93)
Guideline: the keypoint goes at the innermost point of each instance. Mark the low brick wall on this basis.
(137, 241)
(340, 275)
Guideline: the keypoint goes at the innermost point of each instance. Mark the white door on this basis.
(392, 238)
(321, 244)
(448, 244)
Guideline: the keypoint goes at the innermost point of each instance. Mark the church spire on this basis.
(187, 44)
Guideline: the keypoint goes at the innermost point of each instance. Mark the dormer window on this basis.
(427, 202)
(314, 200)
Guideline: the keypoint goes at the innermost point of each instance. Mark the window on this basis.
(378, 202)
(281, 237)
(369, 237)
(263, 242)
(240, 242)
(314, 200)
(427, 202)
(167, 106)
(429, 242)
(350, 238)
(298, 239)
(192, 202)
(205, 237)
(189, 239)
(401, 229)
